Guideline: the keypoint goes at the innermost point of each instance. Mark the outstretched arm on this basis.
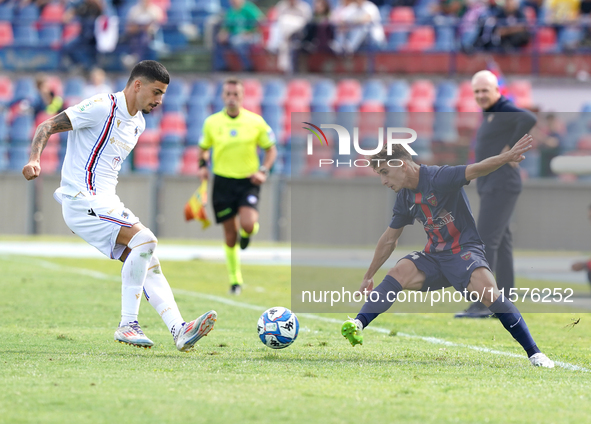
(513, 155)
(55, 124)
(386, 245)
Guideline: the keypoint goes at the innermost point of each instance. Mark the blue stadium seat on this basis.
(196, 116)
(397, 39)
(120, 83)
(50, 36)
(25, 89)
(444, 127)
(171, 140)
(21, 128)
(4, 130)
(174, 38)
(446, 96)
(170, 157)
(178, 13)
(3, 156)
(274, 115)
(274, 92)
(324, 94)
(569, 38)
(26, 15)
(445, 39)
(25, 35)
(6, 12)
(374, 90)
(178, 89)
(201, 92)
(153, 120)
(18, 156)
(398, 93)
(74, 87)
(173, 104)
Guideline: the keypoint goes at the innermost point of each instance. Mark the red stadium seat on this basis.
(252, 105)
(299, 89)
(349, 91)
(402, 15)
(421, 38)
(584, 143)
(253, 90)
(372, 120)
(6, 35)
(546, 39)
(521, 89)
(50, 157)
(190, 161)
(5, 89)
(149, 136)
(145, 158)
(53, 13)
(422, 90)
(173, 123)
(465, 91)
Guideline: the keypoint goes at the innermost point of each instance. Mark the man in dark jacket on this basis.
(502, 126)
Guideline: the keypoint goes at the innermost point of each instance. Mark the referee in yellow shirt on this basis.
(234, 135)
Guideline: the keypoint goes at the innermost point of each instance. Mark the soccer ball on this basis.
(278, 327)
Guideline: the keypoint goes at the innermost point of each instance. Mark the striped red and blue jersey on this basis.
(439, 203)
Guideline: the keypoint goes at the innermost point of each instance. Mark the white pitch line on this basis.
(102, 276)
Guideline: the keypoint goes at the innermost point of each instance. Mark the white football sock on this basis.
(133, 273)
(159, 295)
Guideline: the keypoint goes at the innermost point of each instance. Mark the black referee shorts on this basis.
(229, 194)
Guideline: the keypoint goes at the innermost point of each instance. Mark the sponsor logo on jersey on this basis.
(466, 256)
(121, 144)
(83, 106)
(432, 200)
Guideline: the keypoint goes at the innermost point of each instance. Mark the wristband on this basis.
(202, 163)
(264, 170)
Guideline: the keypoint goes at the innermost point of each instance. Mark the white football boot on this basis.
(191, 332)
(132, 334)
(541, 360)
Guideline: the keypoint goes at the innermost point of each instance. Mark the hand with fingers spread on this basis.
(515, 155)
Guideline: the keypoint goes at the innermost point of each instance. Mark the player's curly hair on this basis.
(398, 152)
(151, 71)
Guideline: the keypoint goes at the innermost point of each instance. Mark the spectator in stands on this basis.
(82, 50)
(549, 144)
(47, 100)
(292, 16)
(358, 24)
(97, 84)
(318, 34)
(503, 27)
(449, 11)
(239, 33)
(536, 5)
(143, 22)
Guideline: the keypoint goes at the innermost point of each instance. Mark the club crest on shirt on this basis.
(116, 162)
(136, 131)
(432, 199)
(118, 122)
(233, 133)
(466, 256)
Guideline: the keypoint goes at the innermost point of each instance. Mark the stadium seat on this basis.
(521, 90)
(446, 95)
(50, 36)
(420, 105)
(5, 90)
(149, 136)
(421, 38)
(190, 161)
(445, 39)
(323, 96)
(348, 92)
(173, 123)
(18, 156)
(402, 15)
(273, 116)
(422, 89)
(546, 39)
(174, 38)
(4, 128)
(6, 12)
(569, 38)
(171, 140)
(397, 40)
(21, 129)
(25, 89)
(177, 89)
(6, 34)
(274, 93)
(398, 94)
(53, 13)
(178, 13)
(145, 158)
(26, 15)
(201, 92)
(50, 158)
(25, 36)
(170, 160)
(299, 89)
(374, 90)
(195, 118)
(253, 90)
(444, 127)
(584, 143)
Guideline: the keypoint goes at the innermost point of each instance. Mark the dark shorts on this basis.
(229, 194)
(446, 269)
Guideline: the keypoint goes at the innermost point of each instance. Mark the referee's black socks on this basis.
(512, 320)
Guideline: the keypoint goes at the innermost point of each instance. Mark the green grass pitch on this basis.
(59, 363)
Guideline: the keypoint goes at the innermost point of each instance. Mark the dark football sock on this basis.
(379, 303)
(512, 320)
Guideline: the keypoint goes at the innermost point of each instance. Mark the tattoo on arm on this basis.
(56, 124)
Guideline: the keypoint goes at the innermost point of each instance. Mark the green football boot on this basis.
(352, 330)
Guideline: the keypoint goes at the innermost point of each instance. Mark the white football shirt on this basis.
(104, 133)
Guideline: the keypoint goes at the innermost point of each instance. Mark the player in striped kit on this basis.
(103, 131)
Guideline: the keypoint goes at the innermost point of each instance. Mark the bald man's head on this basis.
(485, 87)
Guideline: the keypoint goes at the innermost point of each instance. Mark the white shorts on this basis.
(98, 219)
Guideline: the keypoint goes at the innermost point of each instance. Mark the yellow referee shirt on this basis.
(234, 142)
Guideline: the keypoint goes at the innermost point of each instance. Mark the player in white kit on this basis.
(103, 131)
